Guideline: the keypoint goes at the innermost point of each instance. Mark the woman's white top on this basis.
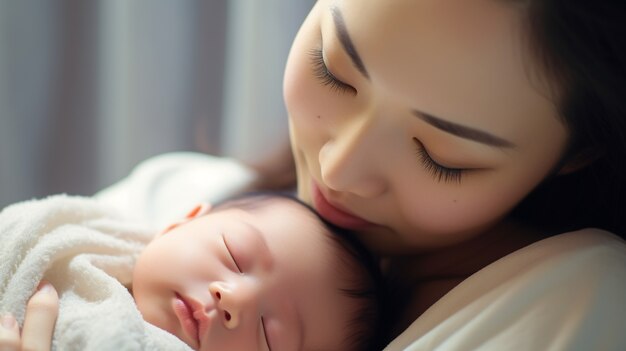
(567, 292)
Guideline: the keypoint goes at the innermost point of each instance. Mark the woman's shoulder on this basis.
(591, 247)
(579, 241)
(564, 292)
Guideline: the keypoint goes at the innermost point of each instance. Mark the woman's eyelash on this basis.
(441, 173)
(325, 76)
(231, 254)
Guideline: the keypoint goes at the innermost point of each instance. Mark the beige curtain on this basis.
(90, 88)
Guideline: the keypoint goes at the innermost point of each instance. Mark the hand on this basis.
(41, 315)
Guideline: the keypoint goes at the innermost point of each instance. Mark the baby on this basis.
(260, 272)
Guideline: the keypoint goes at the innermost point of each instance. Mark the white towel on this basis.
(87, 252)
(163, 188)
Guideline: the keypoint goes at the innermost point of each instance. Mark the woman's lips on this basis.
(184, 313)
(335, 215)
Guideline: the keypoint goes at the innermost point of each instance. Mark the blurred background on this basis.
(90, 88)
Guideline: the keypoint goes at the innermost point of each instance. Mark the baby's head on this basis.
(260, 272)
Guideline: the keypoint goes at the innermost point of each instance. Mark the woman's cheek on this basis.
(307, 102)
(444, 214)
(300, 96)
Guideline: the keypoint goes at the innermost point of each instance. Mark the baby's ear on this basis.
(199, 210)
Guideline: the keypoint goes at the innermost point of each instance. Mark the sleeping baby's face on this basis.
(246, 280)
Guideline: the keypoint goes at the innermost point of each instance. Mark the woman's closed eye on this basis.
(439, 172)
(230, 254)
(325, 76)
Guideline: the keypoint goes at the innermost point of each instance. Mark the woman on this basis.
(454, 133)
(463, 140)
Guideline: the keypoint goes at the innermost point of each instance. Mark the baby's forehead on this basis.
(292, 205)
(276, 208)
(285, 210)
(266, 205)
(309, 223)
(287, 215)
(255, 202)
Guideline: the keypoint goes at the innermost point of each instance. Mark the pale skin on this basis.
(446, 81)
(249, 277)
(36, 334)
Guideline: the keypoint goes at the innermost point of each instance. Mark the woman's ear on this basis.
(581, 160)
(199, 210)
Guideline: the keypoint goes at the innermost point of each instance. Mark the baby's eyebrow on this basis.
(301, 329)
(346, 41)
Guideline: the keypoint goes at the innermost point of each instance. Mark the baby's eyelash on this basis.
(231, 254)
(267, 342)
(439, 172)
(325, 76)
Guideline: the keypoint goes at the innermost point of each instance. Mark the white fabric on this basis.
(162, 189)
(567, 292)
(87, 252)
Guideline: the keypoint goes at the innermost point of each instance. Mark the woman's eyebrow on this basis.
(346, 42)
(463, 131)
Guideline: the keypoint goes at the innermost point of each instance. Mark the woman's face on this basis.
(418, 123)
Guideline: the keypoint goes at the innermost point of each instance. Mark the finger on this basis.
(41, 313)
(9, 334)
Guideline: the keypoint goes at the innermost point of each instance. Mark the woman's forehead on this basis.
(464, 61)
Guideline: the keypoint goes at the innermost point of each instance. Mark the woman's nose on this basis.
(348, 161)
(234, 300)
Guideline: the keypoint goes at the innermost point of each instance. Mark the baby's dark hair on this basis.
(369, 325)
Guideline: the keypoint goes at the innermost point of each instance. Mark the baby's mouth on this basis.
(185, 314)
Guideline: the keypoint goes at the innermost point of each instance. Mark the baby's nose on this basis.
(233, 301)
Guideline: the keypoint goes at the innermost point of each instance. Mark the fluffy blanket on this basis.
(87, 252)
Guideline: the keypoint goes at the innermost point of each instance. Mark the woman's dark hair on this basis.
(580, 46)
